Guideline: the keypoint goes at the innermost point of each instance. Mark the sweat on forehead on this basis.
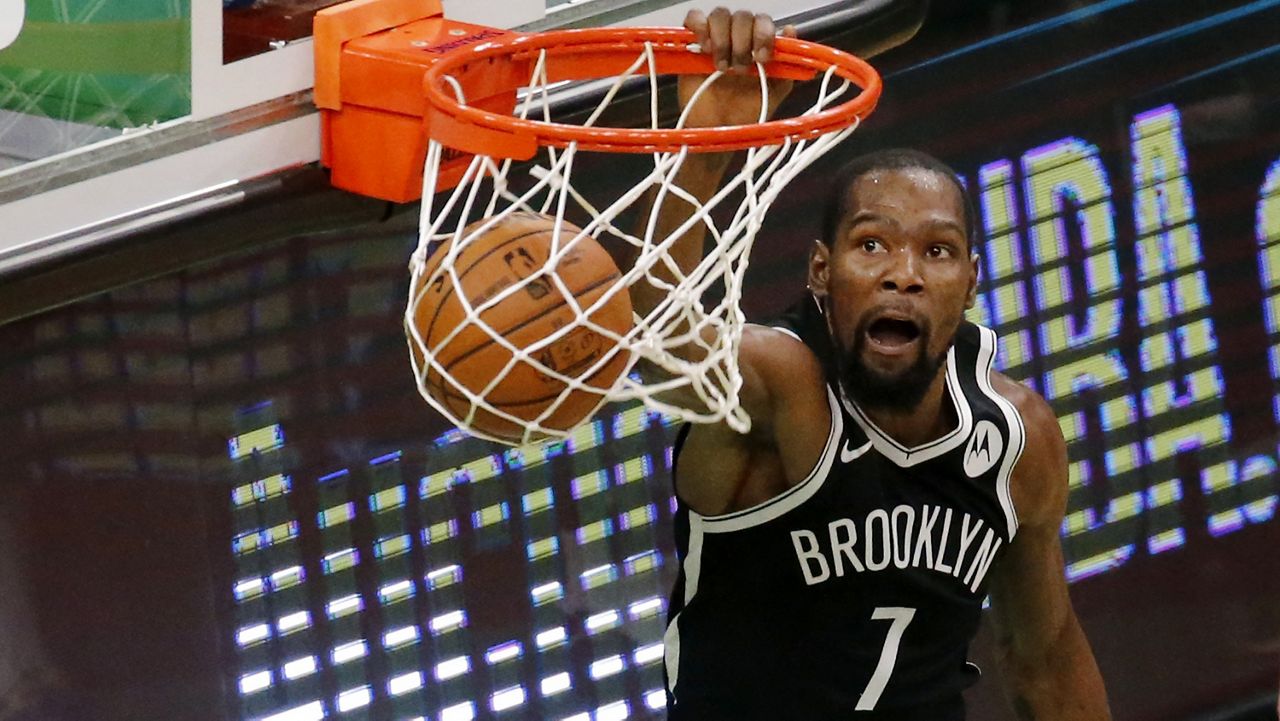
(841, 194)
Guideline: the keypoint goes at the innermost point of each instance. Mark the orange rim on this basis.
(795, 59)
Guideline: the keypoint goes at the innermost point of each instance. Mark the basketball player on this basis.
(835, 559)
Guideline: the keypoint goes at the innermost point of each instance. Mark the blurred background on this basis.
(223, 499)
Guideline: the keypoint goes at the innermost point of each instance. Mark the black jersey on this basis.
(854, 594)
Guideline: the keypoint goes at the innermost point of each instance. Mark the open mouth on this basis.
(892, 333)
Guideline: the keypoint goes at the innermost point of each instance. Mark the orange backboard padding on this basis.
(385, 70)
(338, 25)
(371, 58)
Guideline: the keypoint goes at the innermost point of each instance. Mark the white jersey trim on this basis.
(1013, 419)
(692, 572)
(906, 457)
(788, 331)
(789, 500)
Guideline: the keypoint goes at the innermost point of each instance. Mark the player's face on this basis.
(898, 279)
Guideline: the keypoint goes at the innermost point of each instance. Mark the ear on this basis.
(819, 268)
(972, 296)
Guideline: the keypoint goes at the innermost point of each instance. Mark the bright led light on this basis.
(252, 634)
(343, 606)
(300, 667)
(616, 711)
(647, 607)
(444, 576)
(655, 699)
(578, 717)
(313, 711)
(453, 667)
(553, 685)
(355, 698)
(293, 621)
(400, 636)
(507, 698)
(448, 621)
(285, 576)
(405, 683)
(606, 667)
(546, 592)
(392, 590)
(603, 620)
(648, 654)
(551, 637)
(504, 652)
(254, 682)
(461, 712)
(249, 587)
(349, 651)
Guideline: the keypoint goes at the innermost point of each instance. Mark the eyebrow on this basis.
(866, 216)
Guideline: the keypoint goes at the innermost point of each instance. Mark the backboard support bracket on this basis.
(371, 58)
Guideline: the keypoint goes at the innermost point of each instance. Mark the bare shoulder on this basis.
(778, 370)
(1040, 478)
(784, 392)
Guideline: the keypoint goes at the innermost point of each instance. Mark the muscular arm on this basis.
(1049, 669)
(782, 385)
(734, 41)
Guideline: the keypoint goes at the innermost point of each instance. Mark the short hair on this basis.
(890, 159)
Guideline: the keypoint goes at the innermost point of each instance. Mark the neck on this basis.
(928, 420)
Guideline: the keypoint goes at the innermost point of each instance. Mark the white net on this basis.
(680, 356)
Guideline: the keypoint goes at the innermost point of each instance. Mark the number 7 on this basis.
(900, 617)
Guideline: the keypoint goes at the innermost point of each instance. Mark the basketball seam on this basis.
(527, 321)
(463, 273)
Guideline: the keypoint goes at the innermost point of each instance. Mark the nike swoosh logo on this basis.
(848, 453)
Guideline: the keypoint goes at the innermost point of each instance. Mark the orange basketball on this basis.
(513, 252)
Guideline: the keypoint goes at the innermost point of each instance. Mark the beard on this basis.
(877, 390)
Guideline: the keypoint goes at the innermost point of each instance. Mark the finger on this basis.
(696, 22)
(741, 37)
(718, 31)
(762, 41)
(789, 31)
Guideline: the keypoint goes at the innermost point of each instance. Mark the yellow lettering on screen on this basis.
(337, 515)
(441, 531)
(393, 546)
(267, 438)
(631, 421)
(537, 501)
(388, 499)
(481, 469)
(1173, 287)
(635, 469)
(489, 515)
(543, 548)
(437, 483)
(1268, 229)
(1067, 187)
(1003, 302)
(590, 484)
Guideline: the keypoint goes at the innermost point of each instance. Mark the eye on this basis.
(871, 245)
(939, 250)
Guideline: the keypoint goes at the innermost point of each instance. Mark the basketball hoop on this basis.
(477, 127)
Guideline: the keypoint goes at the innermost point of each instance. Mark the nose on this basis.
(903, 273)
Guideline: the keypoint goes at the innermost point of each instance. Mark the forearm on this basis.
(700, 176)
(1062, 684)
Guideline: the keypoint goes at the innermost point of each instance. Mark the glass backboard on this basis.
(113, 112)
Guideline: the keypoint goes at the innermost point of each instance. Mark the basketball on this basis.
(515, 252)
